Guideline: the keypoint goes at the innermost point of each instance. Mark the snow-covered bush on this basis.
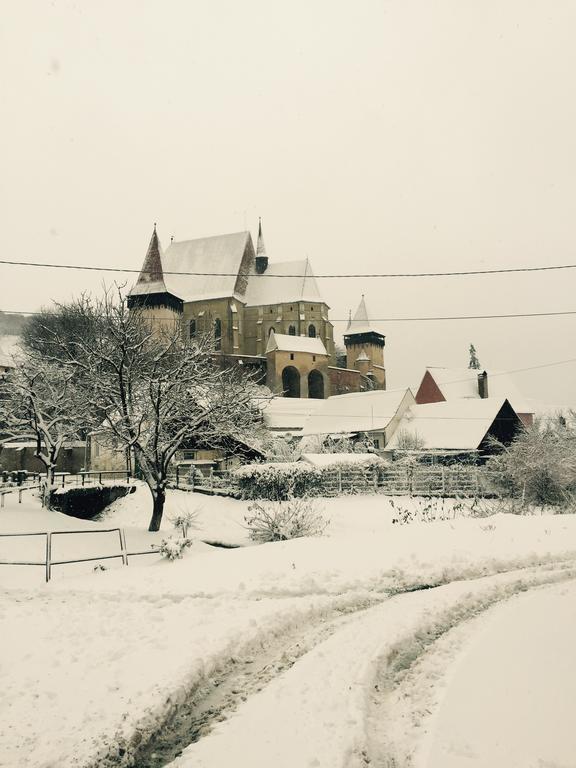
(539, 467)
(282, 520)
(173, 549)
(185, 520)
(278, 482)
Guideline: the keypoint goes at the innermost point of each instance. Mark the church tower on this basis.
(150, 294)
(365, 347)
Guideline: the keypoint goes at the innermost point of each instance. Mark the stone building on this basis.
(269, 317)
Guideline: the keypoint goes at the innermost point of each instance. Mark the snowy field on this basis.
(350, 638)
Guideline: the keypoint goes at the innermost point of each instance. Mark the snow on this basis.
(454, 425)
(9, 346)
(358, 412)
(521, 666)
(458, 383)
(335, 459)
(282, 283)
(288, 413)
(201, 256)
(285, 343)
(96, 659)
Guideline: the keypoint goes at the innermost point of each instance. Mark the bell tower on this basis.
(150, 295)
(365, 347)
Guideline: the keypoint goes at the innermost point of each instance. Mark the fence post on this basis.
(443, 481)
(177, 475)
(212, 479)
(48, 556)
(123, 546)
(375, 479)
(2, 495)
(100, 478)
(339, 475)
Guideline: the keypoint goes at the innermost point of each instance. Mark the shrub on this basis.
(173, 549)
(278, 482)
(282, 520)
(539, 466)
(185, 520)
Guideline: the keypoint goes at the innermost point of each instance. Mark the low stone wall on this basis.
(88, 502)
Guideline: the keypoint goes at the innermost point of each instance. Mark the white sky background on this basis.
(409, 135)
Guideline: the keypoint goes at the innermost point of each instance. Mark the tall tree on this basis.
(474, 362)
(42, 401)
(154, 392)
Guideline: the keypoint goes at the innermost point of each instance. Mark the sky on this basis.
(376, 136)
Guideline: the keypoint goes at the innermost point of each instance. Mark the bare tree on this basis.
(41, 401)
(155, 393)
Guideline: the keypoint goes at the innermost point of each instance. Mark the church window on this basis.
(192, 328)
(312, 331)
(292, 330)
(217, 334)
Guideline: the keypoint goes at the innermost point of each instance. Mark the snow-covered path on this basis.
(316, 715)
(512, 694)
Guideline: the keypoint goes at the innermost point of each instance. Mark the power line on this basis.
(380, 319)
(366, 275)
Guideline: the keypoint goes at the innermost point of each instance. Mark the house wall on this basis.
(345, 380)
(260, 320)
(70, 460)
(428, 391)
(304, 362)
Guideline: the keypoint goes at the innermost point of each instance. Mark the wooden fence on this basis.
(456, 480)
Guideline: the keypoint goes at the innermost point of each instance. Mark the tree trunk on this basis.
(158, 497)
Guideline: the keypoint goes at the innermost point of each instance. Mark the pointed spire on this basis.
(152, 268)
(349, 319)
(361, 322)
(261, 257)
(260, 247)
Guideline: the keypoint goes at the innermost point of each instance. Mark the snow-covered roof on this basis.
(221, 256)
(282, 283)
(361, 322)
(286, 343)
(456, 383)
(288, 413)
(151, 279)
(459, 424)
(357, 412)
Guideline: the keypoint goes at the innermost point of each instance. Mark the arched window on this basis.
(292, 330)
(218, 333)
(312, 331)
(192, 328)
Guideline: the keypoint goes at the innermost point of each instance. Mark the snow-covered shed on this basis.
(464, 424)
(375, 413)
(287, 415)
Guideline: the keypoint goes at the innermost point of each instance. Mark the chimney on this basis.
(483, 385)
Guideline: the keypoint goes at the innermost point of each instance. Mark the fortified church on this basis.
(267, 316)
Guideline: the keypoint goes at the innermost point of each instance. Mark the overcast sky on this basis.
(406, 135)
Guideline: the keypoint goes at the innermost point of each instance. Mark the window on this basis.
(291, 355)
(192, 328)
(376, 443)
(312, 331)
(292, 330)
(313, 358)
(217, 334)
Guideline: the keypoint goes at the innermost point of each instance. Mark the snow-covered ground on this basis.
(93, 662)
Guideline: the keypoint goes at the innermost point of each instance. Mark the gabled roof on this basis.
(358, 412)
(361, 322)
(285, 343)
(282, 283)
(458, 383)
(459, 424)
(217, 261)
(151, 278)
(288, 413)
